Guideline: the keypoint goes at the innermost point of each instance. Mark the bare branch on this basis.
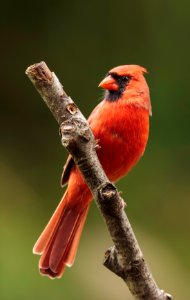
(125, 258)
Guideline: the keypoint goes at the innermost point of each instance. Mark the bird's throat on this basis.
(113, 96)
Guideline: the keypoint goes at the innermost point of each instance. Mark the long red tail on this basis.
(59, 241)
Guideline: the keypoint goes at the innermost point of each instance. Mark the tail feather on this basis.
(74, 241)
(63, 237)
(70, 251)
(59, 241)
(43, 240)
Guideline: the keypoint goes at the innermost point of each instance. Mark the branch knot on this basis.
(72, 108)
(73, 129)
(107, 191)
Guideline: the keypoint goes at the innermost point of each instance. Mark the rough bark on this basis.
(125, 258)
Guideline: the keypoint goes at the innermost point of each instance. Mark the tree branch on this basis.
(125, 258)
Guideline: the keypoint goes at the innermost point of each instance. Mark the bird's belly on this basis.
(121, 148)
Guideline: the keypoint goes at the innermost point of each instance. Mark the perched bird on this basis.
(121, 125)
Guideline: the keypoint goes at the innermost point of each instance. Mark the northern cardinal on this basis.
(121, 125)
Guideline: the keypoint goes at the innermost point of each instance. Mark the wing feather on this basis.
(67, 170)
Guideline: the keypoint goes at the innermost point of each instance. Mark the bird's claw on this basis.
(97, 146)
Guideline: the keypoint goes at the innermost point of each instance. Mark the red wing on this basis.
(67, 170)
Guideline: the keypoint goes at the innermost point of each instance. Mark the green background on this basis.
(81, 41)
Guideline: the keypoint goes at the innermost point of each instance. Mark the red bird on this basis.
(121, 125)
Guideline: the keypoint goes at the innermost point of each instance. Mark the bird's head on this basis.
(127, 82)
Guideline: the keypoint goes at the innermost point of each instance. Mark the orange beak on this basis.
(109, 83)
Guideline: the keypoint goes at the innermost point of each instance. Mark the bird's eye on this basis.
(125, 78)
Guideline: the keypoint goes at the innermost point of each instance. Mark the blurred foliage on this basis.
(81, 41)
